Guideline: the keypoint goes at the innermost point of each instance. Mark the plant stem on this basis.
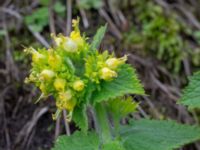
(103, 124)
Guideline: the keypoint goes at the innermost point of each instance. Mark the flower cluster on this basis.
(103, 66)
(65, 69)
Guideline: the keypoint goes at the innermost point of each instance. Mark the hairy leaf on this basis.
(98, 37)
(126, 83)
(77, 141)
(157, 135)
(191, 96)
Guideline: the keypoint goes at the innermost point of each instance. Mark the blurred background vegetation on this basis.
(161, 38)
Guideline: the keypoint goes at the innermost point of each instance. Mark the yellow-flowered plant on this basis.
(64, 70)
(79, 77)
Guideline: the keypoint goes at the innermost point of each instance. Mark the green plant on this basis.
(191, 94)
(159, 34)
(39, 19)
(79, 77)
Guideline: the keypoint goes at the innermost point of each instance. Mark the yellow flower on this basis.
(76, 36)
(47, 74)
(70, 45)
(65, 96)
(78, 85)
(107, 74)
(65, 101)
(59, 84)
(113, 63)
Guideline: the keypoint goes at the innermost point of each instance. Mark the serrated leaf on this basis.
(80, 117)
(191, 94)
(98, 37)
(126, 83)
(157, 135)
(120, 107)
(77, 141)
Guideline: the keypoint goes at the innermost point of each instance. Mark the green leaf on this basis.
(120, 107)
(77, 141)
(38, 20)
(157, 135)
(97, 4)
(98, 37)
(59, 8)
(113, 145)
(80, 117)
(44, 2)
(191, 94)
(126, 83)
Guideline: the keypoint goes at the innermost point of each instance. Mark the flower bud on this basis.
(47, 74)
(113, 63)
(59, 84)
(78, 85)
(70, 45)
(107, 74)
